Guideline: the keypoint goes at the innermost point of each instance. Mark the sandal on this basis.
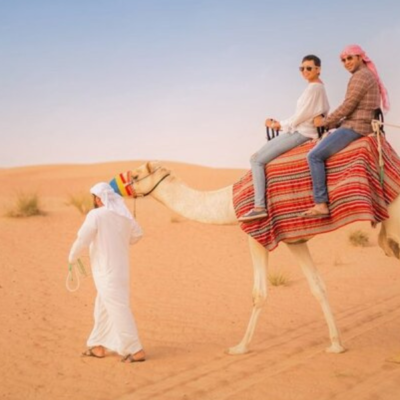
(130, 359)
(90, 353)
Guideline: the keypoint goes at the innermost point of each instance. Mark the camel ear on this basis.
(151, 166)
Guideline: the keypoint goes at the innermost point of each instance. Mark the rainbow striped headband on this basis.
(122, 184)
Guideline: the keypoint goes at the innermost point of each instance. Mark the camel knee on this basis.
(259, 299)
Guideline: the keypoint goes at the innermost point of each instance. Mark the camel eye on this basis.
(135, 177)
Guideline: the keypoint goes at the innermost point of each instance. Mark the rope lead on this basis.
(70, 276)
(376, 127)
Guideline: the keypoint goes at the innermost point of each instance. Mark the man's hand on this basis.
(319, 121)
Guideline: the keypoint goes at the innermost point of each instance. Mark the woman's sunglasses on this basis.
(306, 68)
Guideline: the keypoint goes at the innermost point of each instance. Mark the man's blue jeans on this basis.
(271, 150)
(330, 145)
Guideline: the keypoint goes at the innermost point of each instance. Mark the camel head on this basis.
(147, 177)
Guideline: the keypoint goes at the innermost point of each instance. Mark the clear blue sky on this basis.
(84, 81)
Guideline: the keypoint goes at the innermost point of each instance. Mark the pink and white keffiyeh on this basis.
(356, 50)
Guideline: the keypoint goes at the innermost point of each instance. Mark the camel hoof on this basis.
(336, 349)
(237, 350)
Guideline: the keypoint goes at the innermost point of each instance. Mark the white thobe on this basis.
(109, 235)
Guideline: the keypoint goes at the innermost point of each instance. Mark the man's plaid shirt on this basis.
(357, 110)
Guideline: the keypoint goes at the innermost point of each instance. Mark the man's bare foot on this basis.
(139, 356)
(318, 211)
(95, 351)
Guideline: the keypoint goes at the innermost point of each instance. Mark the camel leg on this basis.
(259, 257)
(302, 255)
(389, 236)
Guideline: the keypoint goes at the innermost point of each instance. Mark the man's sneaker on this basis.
(253, 215)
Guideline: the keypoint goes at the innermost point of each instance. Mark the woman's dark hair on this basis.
(311, 57)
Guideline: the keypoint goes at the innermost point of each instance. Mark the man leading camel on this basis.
(109, 229)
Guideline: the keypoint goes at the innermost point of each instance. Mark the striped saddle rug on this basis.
(354, 185)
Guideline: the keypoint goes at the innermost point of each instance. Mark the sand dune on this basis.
(191, 296)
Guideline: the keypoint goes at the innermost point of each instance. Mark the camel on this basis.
(216, 207)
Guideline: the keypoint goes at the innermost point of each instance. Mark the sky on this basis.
(88, 81)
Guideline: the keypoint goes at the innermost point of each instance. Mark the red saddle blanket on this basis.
(354, 186)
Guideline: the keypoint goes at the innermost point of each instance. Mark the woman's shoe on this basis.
(253, 215)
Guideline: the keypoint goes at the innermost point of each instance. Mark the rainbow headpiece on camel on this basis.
(122, 184)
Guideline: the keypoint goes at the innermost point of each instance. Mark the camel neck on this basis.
(213, 207)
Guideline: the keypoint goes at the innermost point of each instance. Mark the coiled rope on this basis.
(376, 127)
(79, 270)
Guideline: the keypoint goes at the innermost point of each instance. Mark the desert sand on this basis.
(191, 297)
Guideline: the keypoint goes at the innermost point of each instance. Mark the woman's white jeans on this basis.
(271, 150)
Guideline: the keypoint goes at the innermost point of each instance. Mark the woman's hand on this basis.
(271, 123)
